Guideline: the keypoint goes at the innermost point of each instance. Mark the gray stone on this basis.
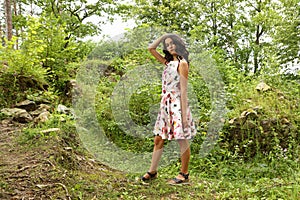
(262, 87)
(41, 109)
(63, 109)
(43, 117)
(50, 130)
(27, 105)
(23, 117)
(10, 112)
(39, 99)
(17, 114)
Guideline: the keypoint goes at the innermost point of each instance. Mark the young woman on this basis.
(174, 120)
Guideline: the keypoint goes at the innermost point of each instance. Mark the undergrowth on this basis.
(212, 177)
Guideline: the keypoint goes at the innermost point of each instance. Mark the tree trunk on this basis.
(16, 29)
(258, 34)
(214, 23)
(256, 49)
(1, 37)
(8, 19)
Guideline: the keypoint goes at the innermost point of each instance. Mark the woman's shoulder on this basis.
(183, 62)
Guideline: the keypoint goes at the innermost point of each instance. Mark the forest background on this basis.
(246, 87)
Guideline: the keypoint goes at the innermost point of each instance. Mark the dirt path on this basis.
(44, 169)
(21, 169)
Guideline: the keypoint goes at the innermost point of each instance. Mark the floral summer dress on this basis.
(168, 123)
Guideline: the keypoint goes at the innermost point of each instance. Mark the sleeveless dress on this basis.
(168, 124)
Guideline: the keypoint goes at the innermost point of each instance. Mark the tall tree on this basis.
(1, 37)
(75, 14)
(259, 30)
(8, 16)
(287, 33)
(15, 15)
(172, 15)
(242, 32)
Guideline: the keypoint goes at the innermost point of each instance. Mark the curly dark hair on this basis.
(180, 48)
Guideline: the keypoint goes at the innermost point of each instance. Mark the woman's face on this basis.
(171, 47)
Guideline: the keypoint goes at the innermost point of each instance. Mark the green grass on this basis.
(212, 177)
(232, 179)
(223, 174)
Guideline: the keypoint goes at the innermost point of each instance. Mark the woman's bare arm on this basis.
(183, 72)
(152, 48)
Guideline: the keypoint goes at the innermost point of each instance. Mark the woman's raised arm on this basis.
(152, 48)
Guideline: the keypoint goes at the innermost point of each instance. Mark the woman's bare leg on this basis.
(185, 153)
(156, 155)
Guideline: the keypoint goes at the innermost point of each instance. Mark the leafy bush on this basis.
(258, 123)
(263, 123)
(270, 129)
(21, 72)
(57, 51)
(45, 60)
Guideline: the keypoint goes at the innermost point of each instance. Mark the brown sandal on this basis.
(177, 181)
(151, 176)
